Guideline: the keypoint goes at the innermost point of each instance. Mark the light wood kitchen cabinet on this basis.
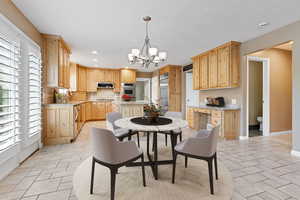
(92, 77)
(213, 69)
(203, 72)
(56, 56)
(221, 66)
(174, 78)
(59, 125)
(229, 121)
(128, 75)
(73, 76)
(196, 73)
(98, 110)
(88, 111)
(108, 108)
(77, 78)
(108, 76)
(82, 113)
(82, 79)
(117, 80)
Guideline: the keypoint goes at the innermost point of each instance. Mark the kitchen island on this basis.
(129, 108)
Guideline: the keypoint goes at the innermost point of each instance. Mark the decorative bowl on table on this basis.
(152, 112)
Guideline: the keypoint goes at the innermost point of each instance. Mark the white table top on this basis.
(176, 124)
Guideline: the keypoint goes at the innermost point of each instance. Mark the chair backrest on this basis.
(213, 140)
(112, 117)
(103, 144)
(177, 115)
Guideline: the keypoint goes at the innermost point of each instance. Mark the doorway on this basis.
(192, 97)
(258, 96)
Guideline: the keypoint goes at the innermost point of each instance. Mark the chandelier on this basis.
(147, 55)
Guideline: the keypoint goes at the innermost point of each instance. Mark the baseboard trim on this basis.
(244, 137)
(295, 153)
(281, 132)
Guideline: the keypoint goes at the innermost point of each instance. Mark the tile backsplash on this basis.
(103, 94)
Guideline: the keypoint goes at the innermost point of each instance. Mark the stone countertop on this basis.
(131, 102)
(74, 103)
(227, 107)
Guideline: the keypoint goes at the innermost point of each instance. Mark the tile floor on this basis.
(262, 169)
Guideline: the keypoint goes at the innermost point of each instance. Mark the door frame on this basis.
(266, 94)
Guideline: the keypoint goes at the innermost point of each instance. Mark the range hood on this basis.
(107, 85)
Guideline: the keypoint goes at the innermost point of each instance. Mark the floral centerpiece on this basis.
(152, 112)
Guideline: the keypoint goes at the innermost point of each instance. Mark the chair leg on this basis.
(186, 161)
(216, 166)
(166, 139)
(92, 177)
(138, 138)
(112, 183)
(180, 137)
(211, 178)
(174, 168)
(143, 171)
(153, 143)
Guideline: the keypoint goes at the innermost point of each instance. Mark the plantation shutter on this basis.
(35, 95)
(9, 102)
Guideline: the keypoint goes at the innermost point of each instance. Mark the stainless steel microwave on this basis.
(105, 85)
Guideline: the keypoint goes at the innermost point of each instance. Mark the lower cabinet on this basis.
(64, 122)
(59, 125)
(229, 121)
(100, 109)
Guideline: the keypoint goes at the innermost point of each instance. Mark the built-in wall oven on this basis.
(128, 89)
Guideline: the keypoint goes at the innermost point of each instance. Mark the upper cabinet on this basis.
(92, 76)
(217, 68)
(128, 75)
(82, 79)
(116, 77)
(77, 78)
(56, 58)
(95, 75)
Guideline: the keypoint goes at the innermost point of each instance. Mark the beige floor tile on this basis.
(12, 195)
(41, 187)
(292, 190)
(60, 195)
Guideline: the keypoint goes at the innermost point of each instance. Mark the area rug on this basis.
(192, 183)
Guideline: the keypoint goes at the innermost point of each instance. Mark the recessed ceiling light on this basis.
(95, 52)
(263, 24)
(95, 60)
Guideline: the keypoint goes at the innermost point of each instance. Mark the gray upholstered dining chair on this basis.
(204, 148)
(111, 153)
(177, 115)
(119, 133)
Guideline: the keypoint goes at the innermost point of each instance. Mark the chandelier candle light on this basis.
(147, 55)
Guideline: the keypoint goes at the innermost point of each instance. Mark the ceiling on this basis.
(182, 28)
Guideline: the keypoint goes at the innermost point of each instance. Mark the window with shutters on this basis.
(9, 83)
(34, 94)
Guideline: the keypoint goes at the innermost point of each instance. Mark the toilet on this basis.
(260, 120)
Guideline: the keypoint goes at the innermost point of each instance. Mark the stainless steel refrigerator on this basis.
(164, 91)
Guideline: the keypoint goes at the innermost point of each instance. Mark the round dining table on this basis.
(141, 124)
